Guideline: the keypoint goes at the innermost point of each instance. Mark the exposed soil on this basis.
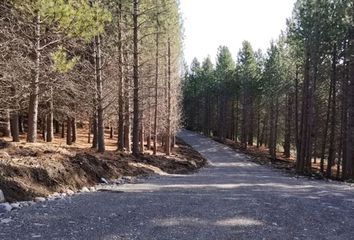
(40, 169)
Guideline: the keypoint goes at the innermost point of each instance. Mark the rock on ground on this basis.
(2, 197)
(5, 207)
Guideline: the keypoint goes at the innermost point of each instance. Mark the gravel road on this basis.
(230, 199)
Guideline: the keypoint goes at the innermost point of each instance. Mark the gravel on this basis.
(230, 199)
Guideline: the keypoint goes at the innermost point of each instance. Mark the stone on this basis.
(55, 195)
(2, 197)
(118, 181)
(6, 220)
(103, 180)
(84, 190)
(40, 199)
(70, 192)
(15, 205)
(5, 207)
(92, 189)
(24, 204)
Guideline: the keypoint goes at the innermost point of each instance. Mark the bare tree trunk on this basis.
(250, 122)
(50, 118)
(127, 144)
(63, 129)
(99, 86)
(348, 69)
(68, 131)
(237, 119)
(157, 55)
(148, 142)
(168, 137)
(350, 121)
(56, 126)
(44, 127)
(120, 82)
(272, 140)
(14, 125)
(21, 126)
(244, 128)
(136, 150)
(73, 129)
(142, 138)
(331, 151)
(89, 131)
(287, 138)
(305, 131)
(173, 144)
(297, 140)
(94, 131)
(7, 130)
(325, 132)
(258, 124)
(34, 88)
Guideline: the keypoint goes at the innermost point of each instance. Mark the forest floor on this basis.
(40, 169)
(260, 155)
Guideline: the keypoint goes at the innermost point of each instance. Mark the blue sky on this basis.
(210, 23)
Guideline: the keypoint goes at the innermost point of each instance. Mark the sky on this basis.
(211, 23)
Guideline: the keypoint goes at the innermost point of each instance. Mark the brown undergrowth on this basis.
(40, 169)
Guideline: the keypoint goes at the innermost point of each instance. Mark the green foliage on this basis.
(75, 18)
(61, 63)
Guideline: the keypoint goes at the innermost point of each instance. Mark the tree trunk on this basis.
(142, 138)
(50, 119)
(250, 122)
(325, 132)
(99, 88)
(136, 150)
(74, 129)
(34, 88)
(272, 137)
(350, 121)
(287, 138)
(14, 125)
(148, 139)
(331, 151)
(56, 126)
(21, 126)
(68, 131)
(94, 131)
(89, 131)
(237, 119)
(258, 126)
(120, 82)
(63, 129)
(44, 127)
(168, 137)
(297, 140)
(244, 128)
(157, 56)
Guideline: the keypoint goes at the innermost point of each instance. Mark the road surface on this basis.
(230, 199)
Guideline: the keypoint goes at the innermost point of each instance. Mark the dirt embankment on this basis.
(32, 170)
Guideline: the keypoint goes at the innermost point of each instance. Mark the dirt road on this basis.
(230, 199)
